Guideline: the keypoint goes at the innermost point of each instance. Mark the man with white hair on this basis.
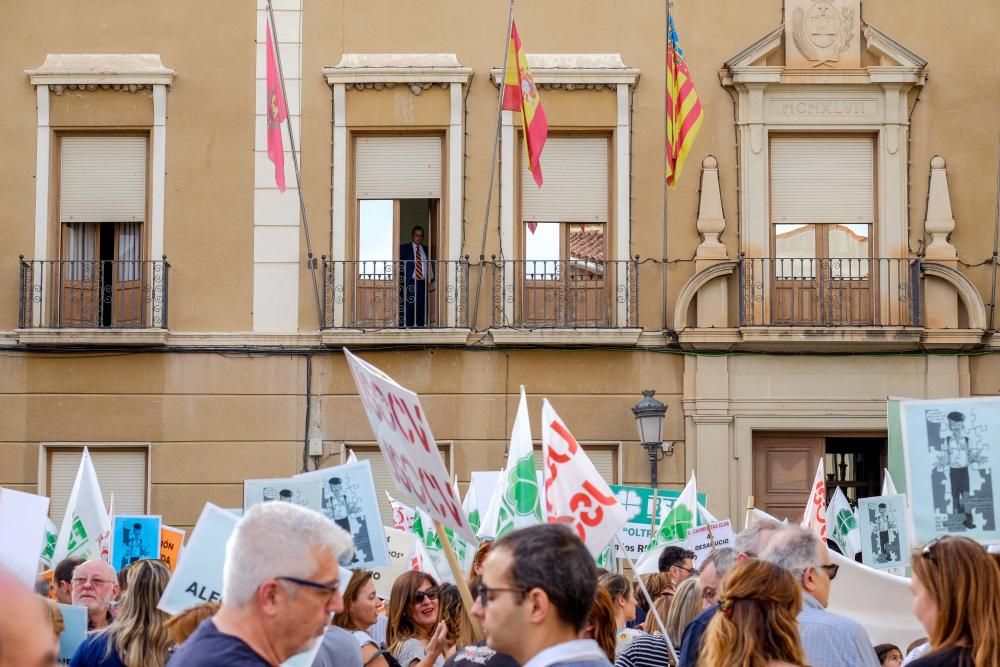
(829, 640)
(748, 544)
(280, 586)
(95, 586)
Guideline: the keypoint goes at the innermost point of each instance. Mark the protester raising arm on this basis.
(416, 636)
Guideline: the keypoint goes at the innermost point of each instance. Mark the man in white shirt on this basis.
(416, 274)
(537, 590)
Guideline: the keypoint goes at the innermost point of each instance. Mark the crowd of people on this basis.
(539, 601)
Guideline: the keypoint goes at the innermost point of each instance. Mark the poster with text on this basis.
(400, 546)
(638, 504)
(171, 544)
(952, 449)
(348, 499)
(884, 536)
(134, 538)
(198, 577)
(298, 491)
(703, 540)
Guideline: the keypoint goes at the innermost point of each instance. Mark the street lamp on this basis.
(649, 414)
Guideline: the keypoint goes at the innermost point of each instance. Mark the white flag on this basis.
(351, 456)
(814, 516)
(520, 504)
(843, 523)
(403, 515)
(489, 522)
(86, 518)
(888, 487)
(575, 493)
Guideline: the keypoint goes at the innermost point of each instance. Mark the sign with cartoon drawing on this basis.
(951, 448)
(884, 537)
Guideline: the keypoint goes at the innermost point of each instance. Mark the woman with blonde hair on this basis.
(416, 636)
(956, 597)
(623, 600)
(360, 612)
(138, 636)
(685, 606)
(756, 625)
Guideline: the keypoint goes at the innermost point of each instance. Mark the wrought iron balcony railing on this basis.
(534, 294)
(830, 292)
(394, 294)
(93, 294)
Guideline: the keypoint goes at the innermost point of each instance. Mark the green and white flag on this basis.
(842, 524)
(85, 524)
(470, 509)
(520, 500)
(49, 543)
(423, 528)
(673, 529)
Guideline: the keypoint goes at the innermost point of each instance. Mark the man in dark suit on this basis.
(415, 274)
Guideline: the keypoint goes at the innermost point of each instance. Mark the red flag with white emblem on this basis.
(277, 112)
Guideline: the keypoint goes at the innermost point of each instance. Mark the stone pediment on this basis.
(884, 61)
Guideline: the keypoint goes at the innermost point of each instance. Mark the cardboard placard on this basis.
(198, 577)
(171, 545)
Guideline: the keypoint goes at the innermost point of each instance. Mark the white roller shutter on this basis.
(575, 173)
(122, 472)
(382, 478)
(602, 456)
(102, 179)
(822, 180)
(398, 168)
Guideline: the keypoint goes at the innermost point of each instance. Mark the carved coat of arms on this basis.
(821, 33)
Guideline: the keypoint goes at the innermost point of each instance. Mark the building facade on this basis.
(831, 242)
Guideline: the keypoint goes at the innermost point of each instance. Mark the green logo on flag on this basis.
(676, 526)
(845, 522)
(474, 520)
(50, 547)
(521, 497)
(77, 536)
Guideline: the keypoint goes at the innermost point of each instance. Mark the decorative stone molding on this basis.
(939, 222)
(576, 71)
(711, 221)
(967, 292)
(89, 71)
(376, 71)
(692, 286)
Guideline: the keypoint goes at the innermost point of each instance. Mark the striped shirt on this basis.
(644, 651)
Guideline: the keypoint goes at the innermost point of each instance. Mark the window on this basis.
(564, 236)
(399, 244)
(382, 478)
(102, 207)
(121, 471)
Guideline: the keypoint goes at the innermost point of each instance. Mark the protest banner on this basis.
(23, 517)
(348, 499)
(171, 545)
(399, 544)
(636, 535)
(75, 620)
(952, 453)
(575, 493)
(703, 540)
(86, 528)
(198, 577)
(134, 538)
(302, 492)
(404, 436)
(885, 540)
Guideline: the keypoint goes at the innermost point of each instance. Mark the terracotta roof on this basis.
(586, 245)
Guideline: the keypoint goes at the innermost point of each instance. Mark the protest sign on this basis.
(635, 536)
(884, 536)
(348, 499)
(952, 454)
(198, 577)
(86, 527)
(75, 620)
(894, 430)
(134, 538)
(23, 517)
(171, 544)
(575, 493)
(703, 540)
(404, 436)
(303, 492)
(400, 547)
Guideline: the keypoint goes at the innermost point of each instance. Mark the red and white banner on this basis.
(814, 516)
(404, 436)
(575, 493)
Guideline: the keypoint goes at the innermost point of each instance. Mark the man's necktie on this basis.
(419, 255)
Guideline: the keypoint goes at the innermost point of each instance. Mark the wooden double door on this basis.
(100, 275)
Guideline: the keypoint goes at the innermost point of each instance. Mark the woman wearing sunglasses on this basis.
(416, 636)
(956, 597)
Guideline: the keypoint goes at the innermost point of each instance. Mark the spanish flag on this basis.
(520, 94)
(683, 107)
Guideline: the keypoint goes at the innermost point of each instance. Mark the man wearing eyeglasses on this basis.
(280, 586)
(95, 586)
(829, 640)
(678, 563)
(538, 587)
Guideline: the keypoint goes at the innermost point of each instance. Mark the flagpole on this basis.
(649, 600)
(311, 260)
(666, 215)
(493, 166)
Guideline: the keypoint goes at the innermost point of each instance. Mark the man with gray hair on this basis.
(747, 545)
(829, 640)
(280, 586)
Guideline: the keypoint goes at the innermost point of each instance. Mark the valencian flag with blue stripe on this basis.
(683, 107)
